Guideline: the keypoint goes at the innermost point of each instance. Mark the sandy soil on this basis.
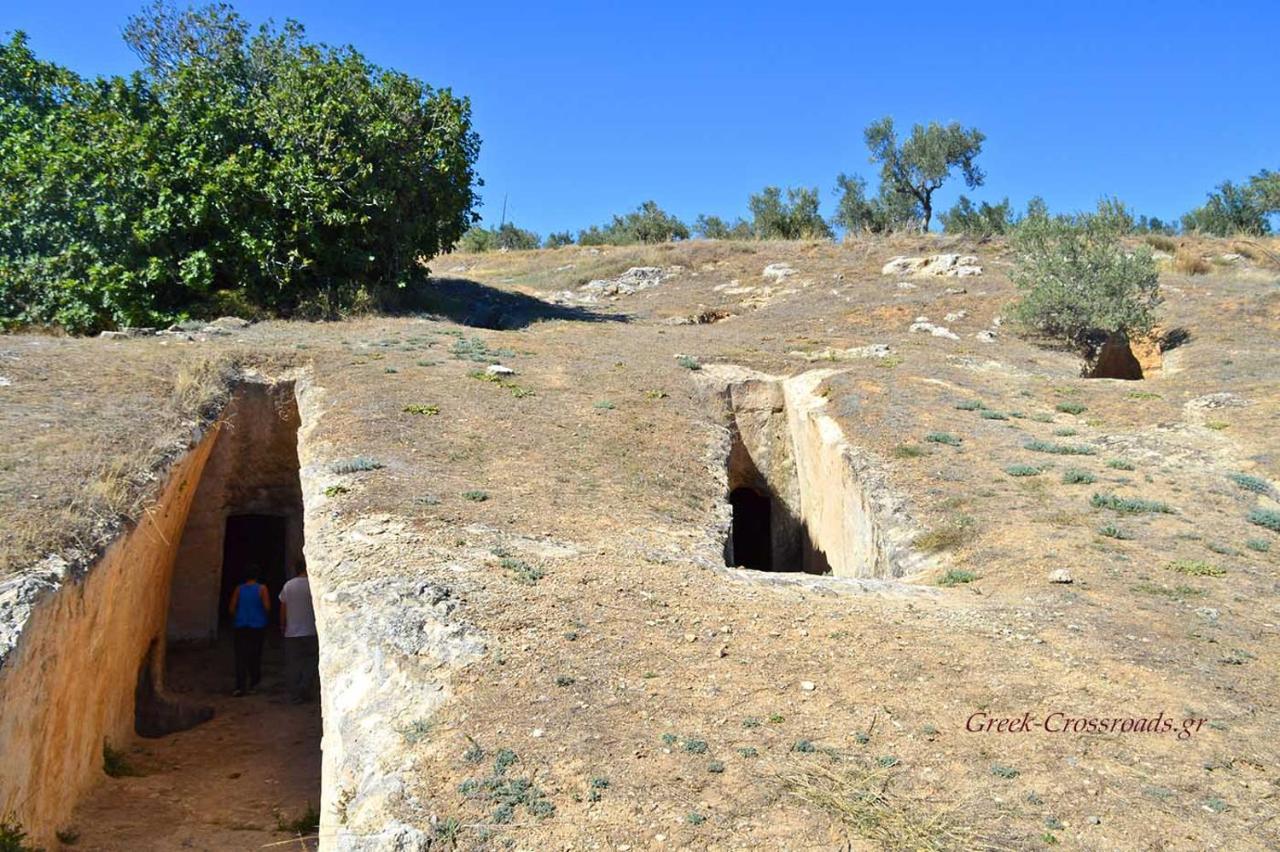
(224, 785)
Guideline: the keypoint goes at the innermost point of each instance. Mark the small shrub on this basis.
(1022, 470)
(66, 836)
(803, 746)
(1196, 568)
(1256, 484)
(748, 751)
(988, 414)
(694, 818)
(1065, 433)
(13, 837)
(305, 825)
(1005, 772)
(416, 731)
(694, 746)
(908, 451)
(523, 572)
(355, 465)
(474, 752)
(951, 534)
(1041, 417)
(715, 767)
(604, 405)
(1258, 544)
(116, 764)
(1039, 446)
(956, 577)
(1128, 505)
(565, 680)
(1076, 476)
(971, 405)
(475, 496)
(336, 490)
(887, 761)
(751, 722)
(596, 788)
(428, 410)
(1268, 518)
(688, 362)
(1161, 242)
(943, 438)
(1120, 464)
(1070, 407)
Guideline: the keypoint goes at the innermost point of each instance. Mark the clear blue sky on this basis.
(587, 109)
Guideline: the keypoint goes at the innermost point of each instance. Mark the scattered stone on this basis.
(634, 280)
(922, 324)
(113, 335)
(1093, 820)
(1230, 257)
(689, 637)
(807, 685)
(499, 370)
(948, 265)
(230, 323)
(906, 285)
(5, 381)
(874, 350)
(778, 271)
(986, 336)
(956, 291)
(1208, 613)
(537, 733)
(956, 316)
(1060, 575)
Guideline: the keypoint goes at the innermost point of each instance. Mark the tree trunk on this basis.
(927, 206)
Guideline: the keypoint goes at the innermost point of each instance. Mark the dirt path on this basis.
(223, 785)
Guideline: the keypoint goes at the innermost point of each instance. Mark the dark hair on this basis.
(252, 571)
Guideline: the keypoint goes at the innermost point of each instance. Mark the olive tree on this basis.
(1080, 284)
(794, 218)
(918, 165)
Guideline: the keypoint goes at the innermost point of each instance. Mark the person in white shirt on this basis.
(301, 646)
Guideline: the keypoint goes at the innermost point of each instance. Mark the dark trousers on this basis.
(249, 656)
(301, 664)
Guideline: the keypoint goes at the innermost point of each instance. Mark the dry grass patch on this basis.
(860, 798)
(1190, 263)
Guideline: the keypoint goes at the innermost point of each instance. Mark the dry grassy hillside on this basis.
(620, 687)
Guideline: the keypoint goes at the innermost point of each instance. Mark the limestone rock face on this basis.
(947, 265)
(634, 280)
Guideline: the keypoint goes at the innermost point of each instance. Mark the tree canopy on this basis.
(915, 168)
(240, 168)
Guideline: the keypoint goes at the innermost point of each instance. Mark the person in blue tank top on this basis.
(250, 610)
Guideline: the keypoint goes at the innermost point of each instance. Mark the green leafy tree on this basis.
(881, 214)
(557, 239)
(715, 228)
(592, 236)
(921, 163)
(239, 167)
(648, 223)
(1079, 281)
(795, 218)
(1236, 209)
(984, 220)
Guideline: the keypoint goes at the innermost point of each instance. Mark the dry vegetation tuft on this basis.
(860, 798)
